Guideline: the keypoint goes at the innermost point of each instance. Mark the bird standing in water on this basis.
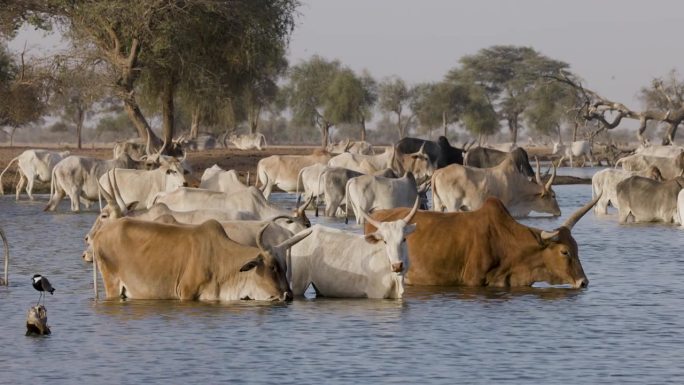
(42, 284)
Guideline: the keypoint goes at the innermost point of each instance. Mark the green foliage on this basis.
(308, 90)
(116, 125)
(550, 105)
(506, 76)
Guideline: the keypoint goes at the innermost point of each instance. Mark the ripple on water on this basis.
(625, 328)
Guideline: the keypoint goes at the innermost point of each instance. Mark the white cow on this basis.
(249, 200)
(248, 141)
(239, 230)
(283, 170)
(365, 164)
(138, 187)
(308, 178)
(669, 167)
(462, 188)
(340, 264)
(647, 200)
(579, 148)
(333, 183)
(351, 146)
(366, 193)
(32, 164)
(77, 177)
(658, 150)
(604, 183)
(217, 179)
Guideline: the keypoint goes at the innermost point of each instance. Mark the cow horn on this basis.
(537, 174)
(286, 244)
(148, 144)
(259, 237)
(413, 211)
(110, 200)
(300, 209)
(577, 215)
(117, 192)
(553, 176)
(369, 219)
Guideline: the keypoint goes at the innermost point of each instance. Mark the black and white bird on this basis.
(42, 284)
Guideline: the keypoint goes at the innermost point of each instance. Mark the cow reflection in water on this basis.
(487, 247)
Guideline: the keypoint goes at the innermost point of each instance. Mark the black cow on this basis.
(483, 157)
(441, 152)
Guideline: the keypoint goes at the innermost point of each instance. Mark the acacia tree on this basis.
(76, 87)
(395, 97)
(22, 92)
(308, 93)
(439, 104)
(507, 75)
(551, 105)
(168, 42)
(350, 99)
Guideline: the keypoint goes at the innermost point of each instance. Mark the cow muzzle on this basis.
(398, 267)
(581, 283)
(287, 296)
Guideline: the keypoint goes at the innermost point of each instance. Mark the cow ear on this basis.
(131, 206)
(549, 236)
(253, 263)
(373, 238)
(409, 228)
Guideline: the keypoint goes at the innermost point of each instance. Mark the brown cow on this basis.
(147, 260)
(487, 247)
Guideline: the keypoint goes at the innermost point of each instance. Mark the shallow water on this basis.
(626, 327)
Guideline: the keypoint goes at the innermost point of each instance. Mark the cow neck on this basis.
(516, 245)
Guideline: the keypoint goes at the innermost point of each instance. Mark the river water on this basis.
(626, 327)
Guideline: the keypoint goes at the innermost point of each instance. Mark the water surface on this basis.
(626, 327)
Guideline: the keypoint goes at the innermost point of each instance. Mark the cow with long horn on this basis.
(462, 188)
(487, 247)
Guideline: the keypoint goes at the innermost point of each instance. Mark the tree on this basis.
(308, 93)
(350, 99)
(439, 104)
(663, 100)
(551, 104)
(507, 75)
(395, 97)
(22, 92)
(77, 86)
(169, 44)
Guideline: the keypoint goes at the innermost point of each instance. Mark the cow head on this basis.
(560, 255)
(393, 234)
(558, 148)
(417, 163)
(175, 175)
(543, 199)
(299, 213)
(116, 208)
(269, 269)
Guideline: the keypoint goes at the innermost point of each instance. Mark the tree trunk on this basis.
(14, 129)
(194, 125)
(139, 121)
(400, 128)
(254, 113)
(167, 112)
(513, 128)
(325, 132)
(574, 132)
(80, 117)
(444, 122)
(363, 128)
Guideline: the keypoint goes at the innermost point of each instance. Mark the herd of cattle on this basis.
(163, 234)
